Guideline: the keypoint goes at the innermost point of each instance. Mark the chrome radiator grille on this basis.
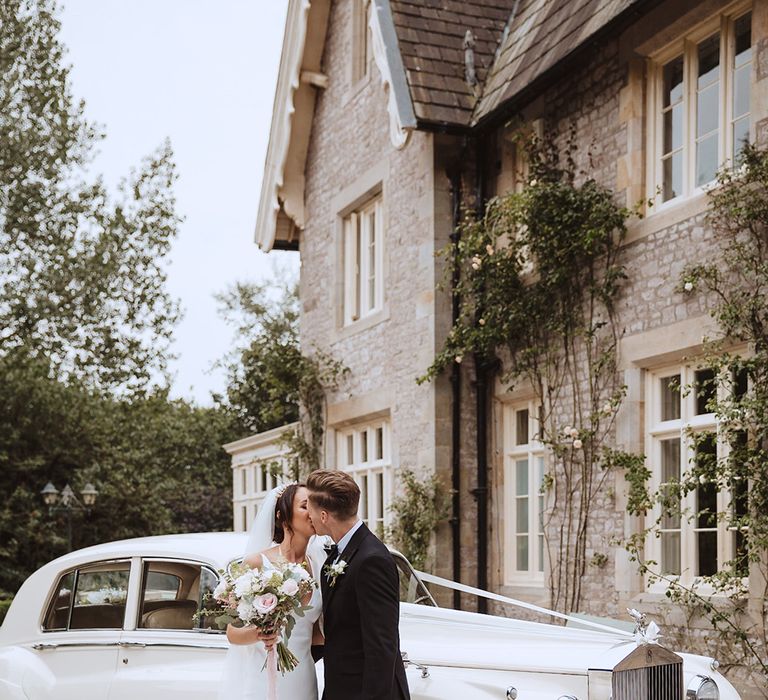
(648, 673)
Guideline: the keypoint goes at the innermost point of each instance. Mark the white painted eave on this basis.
(288, 81)
(300, 76)
(253, 442)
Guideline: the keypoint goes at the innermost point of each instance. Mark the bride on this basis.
(282, 532)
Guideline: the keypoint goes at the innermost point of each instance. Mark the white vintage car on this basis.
(115, 621)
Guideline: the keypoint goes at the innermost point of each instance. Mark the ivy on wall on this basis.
(734, 601)
(539, 277)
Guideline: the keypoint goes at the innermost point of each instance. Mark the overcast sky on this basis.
(203, 73)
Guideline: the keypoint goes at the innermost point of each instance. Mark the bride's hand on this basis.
(251, 635)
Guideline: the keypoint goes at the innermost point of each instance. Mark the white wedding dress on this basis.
(243, 677)
(243, 670)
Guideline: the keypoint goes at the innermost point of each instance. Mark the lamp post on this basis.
(65, 501)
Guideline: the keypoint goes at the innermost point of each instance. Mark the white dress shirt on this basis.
(344, 541)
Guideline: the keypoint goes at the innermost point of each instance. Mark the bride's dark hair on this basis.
(284, 512)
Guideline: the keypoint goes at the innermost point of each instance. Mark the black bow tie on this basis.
(332, 551)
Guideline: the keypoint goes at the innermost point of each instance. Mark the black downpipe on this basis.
(455, 178)
(482, 369)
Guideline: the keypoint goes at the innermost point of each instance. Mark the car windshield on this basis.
(412, 589)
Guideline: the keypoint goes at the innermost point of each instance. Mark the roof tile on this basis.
(542, 32)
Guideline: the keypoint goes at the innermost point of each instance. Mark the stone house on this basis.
(390, 116)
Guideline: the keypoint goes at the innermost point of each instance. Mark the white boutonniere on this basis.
(333, 571)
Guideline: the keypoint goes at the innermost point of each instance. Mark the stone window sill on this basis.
(363, 324)
(667, 216)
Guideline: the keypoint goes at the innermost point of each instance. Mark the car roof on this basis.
(217, 548)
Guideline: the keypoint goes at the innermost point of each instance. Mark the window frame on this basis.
(536, 454)
(365, 471)
(657, 431)
(144, 564)
(55, 586)
(360, 266)
(686, 46)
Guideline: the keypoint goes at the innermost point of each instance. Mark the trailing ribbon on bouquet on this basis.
(272, 674)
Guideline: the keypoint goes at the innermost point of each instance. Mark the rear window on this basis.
(91, 597)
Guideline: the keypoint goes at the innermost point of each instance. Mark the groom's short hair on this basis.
(334, 491)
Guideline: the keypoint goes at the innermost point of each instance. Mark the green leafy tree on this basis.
(271, 381)
(264, 368)
(85, 321)
(157, 463)
(82, 280)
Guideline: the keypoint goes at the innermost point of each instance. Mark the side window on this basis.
(92, 597)
(172, 592)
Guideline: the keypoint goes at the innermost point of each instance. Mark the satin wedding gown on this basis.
(243, 676)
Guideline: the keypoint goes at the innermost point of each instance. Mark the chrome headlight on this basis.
(702, 688)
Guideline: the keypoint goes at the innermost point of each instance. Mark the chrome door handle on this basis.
(131, 645)
(41, 647)
(407, 662)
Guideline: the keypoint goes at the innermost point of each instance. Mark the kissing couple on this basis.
(352, 620)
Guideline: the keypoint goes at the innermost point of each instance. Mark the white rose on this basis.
(577, 444)
(688, 286)
(221, 590)
(244, 610)
(289, 587)
(244, 583)
(574, 432)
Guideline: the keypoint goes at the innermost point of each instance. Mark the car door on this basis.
(81, 631)
(164, 651)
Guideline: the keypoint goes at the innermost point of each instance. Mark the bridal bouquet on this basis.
(269, 599)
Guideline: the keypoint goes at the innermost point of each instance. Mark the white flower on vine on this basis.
(567, 430)
(457, 359)
(702, 479)
(688, 286)
(489, 249)
(482, 321)
(607, 409)
(534, 182)
(577, 444)
(574, 432)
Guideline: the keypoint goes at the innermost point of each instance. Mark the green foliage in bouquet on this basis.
(270, 599)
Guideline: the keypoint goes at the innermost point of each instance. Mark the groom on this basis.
(361, 601)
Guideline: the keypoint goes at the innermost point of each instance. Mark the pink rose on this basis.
(263, 604)
(289, 587)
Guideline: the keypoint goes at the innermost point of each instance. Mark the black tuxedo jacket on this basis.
(361, 621)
